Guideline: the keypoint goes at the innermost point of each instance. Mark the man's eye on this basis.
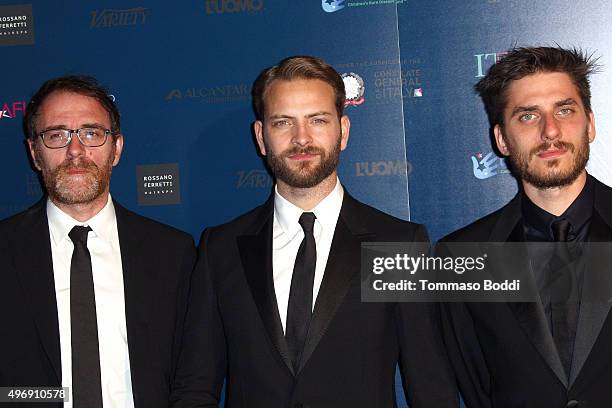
(527, 117)
(54, 134)
(280, 123)
(319, 121)
(566, 111)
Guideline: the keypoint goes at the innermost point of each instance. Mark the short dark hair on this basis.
(79, 84)
(523, 61)
(297, 67)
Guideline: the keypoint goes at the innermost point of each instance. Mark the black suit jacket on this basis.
(503, 353)
(233, 326)
(157, 262)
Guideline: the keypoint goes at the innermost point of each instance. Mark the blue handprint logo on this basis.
(485, 167)
(329, 6)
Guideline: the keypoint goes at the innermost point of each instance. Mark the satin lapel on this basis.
(34, 266)
(139, 277)
(343, 265)
(596, 292)
(529, 315)
(256, 256)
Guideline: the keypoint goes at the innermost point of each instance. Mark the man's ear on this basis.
(500, 141)
(118, 141)
(345, 128)
(33, 153)
(258, 128)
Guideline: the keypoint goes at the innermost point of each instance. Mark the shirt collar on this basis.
(578, 213)
(327, 211)
(103, 224)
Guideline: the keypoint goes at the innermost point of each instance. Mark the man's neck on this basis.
(85, 211)
(307, 198)
(556, 200)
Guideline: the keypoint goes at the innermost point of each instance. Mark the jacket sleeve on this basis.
(465, 355)
(426, 374)
(202, 361)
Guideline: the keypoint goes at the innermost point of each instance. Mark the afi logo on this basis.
(10, 110)
(330, 6)
(484, 61)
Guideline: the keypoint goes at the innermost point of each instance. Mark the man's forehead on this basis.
(66, 103)
(548, 87)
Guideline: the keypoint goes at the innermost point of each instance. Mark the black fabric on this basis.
(156, 260)
(86, 379)
(504, 354)
(299, 309)
(352, 347)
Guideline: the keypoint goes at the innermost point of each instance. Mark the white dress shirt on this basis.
(103, 245)
(287, 235)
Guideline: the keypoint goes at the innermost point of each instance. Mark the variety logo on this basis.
(214, 94)
(254, 179)
(158, 184)
(484, 61)
(354, 88)
(330, 6)
(16, 25)
(115, 18)
(233, 6)
(382, 168)
(487, 166)
(9, 109)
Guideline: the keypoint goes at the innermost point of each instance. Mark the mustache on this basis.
(76, 164)
(303, 150)
(547, 145)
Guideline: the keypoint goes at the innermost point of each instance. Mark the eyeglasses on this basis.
(89, 136)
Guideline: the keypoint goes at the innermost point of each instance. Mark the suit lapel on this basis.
(255, 249)
(595, 304)
(35, 274)
(343, 265)
(138, 280)
(529, 315)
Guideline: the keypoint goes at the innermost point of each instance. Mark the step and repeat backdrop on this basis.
(181, 75)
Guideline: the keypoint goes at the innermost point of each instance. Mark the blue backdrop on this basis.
(181, 75)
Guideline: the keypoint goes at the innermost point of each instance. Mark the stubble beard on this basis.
(307, 174)
(77, 189)
(552, 176)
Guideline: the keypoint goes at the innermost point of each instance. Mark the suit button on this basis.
(572, 404)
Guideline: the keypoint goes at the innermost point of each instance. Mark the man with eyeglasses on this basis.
(92, 296)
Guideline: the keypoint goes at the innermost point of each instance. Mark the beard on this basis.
(552, 176)
(83, 188)
(307, 174)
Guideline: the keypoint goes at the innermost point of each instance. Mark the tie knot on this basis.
(307, 220)
(561, 229)
(79, 234)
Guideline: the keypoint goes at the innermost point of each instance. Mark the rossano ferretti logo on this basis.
(16, 25)
(158, 184)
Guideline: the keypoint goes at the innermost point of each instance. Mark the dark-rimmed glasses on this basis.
(88, 136)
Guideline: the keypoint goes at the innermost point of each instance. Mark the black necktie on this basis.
(299, 309)
(564, 312)
(86, 383)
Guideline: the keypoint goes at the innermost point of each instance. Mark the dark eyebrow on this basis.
(280, 116)
(84, 125)
(568, 101)
(520, 109)
(93, 125)
(321, 113)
